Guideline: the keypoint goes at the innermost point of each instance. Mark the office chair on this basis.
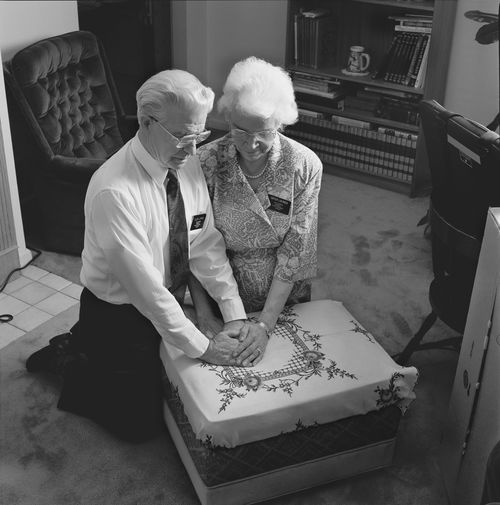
(65, 118)
(464, 160)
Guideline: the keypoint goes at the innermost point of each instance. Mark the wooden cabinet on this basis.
(380, 145)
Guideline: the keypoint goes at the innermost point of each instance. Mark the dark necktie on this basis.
(178, 237)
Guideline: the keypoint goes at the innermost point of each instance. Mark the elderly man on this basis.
(148, 223)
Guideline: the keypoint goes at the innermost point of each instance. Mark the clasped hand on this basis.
(240, 343)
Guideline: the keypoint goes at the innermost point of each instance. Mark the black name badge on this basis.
(198, 221)
(279, 204)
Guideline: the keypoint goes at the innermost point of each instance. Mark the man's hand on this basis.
(253, 341)
(220, 350)
(233, 328)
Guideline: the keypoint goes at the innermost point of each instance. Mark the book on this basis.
(389, 92)
(314, 77)
(399, 61)
(397, 133)
(313, 37)
(310, 113)
(420, 79)
(413, 62)
(393, 57)
(413, 29)
(350, 122)
(409, 46)
(398, 110)
(317, 92)
(413, 20)
(418, 62)
(410, 41)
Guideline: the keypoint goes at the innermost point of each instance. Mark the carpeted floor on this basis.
(371, 256)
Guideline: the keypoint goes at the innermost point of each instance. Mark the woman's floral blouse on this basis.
(271, 232)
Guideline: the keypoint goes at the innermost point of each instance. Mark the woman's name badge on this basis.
(279, 204)
(198, 222)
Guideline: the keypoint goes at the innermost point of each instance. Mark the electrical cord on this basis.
(5, 318)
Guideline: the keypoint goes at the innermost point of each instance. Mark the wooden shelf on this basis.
(369, 23)
(403, 4)
(336, 72)
(366, 117)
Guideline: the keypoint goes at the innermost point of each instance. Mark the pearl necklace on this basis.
(256, 176)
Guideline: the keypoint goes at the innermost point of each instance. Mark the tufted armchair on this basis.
(66, 120)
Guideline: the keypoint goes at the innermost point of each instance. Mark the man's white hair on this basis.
(258, 88)
(172, 87)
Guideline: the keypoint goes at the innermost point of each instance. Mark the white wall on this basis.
(210, 36)
(22, 23)
(472, 86)
(8, 165)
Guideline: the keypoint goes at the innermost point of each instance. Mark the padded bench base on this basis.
(290, 479)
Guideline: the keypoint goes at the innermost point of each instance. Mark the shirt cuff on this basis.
(232, 309)
(196, 344)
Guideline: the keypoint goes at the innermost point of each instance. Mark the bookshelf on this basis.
(367, 127)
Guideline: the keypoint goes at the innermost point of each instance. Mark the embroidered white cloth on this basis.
(320, 366)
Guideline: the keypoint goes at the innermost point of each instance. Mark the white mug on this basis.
(359, 61)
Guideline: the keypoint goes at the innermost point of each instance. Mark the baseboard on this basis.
(9, 260)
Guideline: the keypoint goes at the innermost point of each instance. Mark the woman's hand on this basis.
(209, 324)
(233, 328)
(253, 342)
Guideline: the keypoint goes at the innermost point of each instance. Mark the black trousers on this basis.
(119, 385)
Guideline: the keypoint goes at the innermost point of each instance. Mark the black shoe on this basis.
(56, 357)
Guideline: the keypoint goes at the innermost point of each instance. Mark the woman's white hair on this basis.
(259, 88)
(172, 87)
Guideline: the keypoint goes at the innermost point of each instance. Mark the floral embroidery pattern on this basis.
(306, 361)
(389, 395)
(252, 382)
(359, 329)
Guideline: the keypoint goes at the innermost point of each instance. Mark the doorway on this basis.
(136, 35)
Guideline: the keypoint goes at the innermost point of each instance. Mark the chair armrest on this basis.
(22, 117)
(74, 170)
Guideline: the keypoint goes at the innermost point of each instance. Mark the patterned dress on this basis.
(271, 232)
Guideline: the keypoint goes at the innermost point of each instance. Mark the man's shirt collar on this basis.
(155, 170)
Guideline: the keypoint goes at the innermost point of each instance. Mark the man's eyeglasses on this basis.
(187, 139)
(262, 136)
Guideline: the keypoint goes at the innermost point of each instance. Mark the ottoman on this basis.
(323, 404)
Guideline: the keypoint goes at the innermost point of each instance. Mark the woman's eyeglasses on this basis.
(187, 139)
(262, 136)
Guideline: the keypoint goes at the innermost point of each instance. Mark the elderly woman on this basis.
(264, 189)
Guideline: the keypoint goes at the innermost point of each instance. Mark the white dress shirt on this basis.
(126, 251)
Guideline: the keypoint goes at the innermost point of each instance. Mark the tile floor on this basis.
(33, 298)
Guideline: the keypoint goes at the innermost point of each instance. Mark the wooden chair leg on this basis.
(403, 357)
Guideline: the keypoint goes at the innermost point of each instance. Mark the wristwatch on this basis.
(266, 328)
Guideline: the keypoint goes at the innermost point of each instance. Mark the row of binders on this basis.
(383, 152)
(406, 60)
(313, 38)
